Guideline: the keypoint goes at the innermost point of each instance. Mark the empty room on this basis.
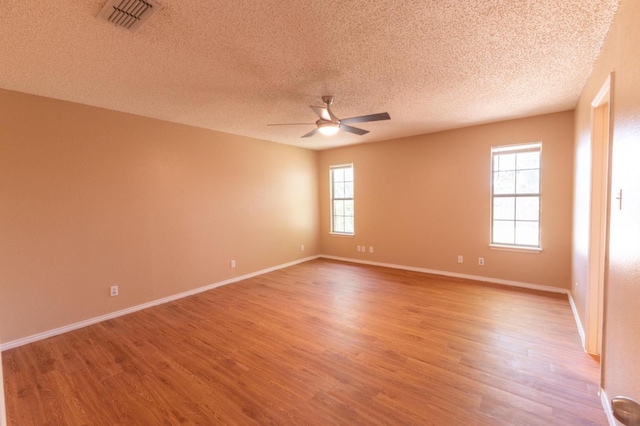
(299, 213)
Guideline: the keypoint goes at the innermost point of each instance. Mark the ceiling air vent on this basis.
(129, 14)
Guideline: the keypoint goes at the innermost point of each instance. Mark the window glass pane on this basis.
(348, 190)
(504, 183)
(527, 233)
(348, 225)
(504, 208)
(503, 232)
(338, 208)
(528, 182)
(504, 162)
(528, 160)
(342, 199)
(516, 195)
(348, 174)
(527, 208)
(348, 207)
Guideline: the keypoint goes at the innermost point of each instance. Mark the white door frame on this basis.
(599, 215)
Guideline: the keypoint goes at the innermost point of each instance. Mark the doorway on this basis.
(3, 414)
(599, 215)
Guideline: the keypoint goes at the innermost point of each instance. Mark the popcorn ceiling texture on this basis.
(235, 66)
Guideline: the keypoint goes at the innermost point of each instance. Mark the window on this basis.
(515, 195)
(342, 199)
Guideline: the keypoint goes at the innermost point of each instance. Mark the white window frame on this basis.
(515, 149)
(344, 198)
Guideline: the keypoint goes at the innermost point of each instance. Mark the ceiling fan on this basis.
(329, 124)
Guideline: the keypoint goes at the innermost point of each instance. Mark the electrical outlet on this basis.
(301, 247)
(114, 290)
(370, 249)
(459, 258)
(233, 263)
(357, 248)
(481, 261)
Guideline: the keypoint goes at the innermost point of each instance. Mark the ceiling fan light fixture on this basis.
(328, 129)
(328, 124)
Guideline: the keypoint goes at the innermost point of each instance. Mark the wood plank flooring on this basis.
(318, 343)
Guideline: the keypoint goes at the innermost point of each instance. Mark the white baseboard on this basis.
(94, 320)
(454, 275)
(576, 316)
(607, 408)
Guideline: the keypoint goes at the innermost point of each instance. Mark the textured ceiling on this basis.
(235, 66)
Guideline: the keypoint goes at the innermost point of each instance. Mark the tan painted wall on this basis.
(621, 347)
(421, 201)
(92, 198)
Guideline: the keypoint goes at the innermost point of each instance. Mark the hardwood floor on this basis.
(319, 343)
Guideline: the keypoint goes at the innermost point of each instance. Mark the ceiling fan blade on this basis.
(353, 129)
(363, 118)
(311, 133)
(291, 124)
(322, 112)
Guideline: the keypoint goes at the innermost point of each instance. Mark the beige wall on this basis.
(424, 200)
(93, 198)
(621, 347)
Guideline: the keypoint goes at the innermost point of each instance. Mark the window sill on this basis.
(339, 234)
(516, 248)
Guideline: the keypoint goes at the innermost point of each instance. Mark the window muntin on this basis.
(342, 215)
(515, 195)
